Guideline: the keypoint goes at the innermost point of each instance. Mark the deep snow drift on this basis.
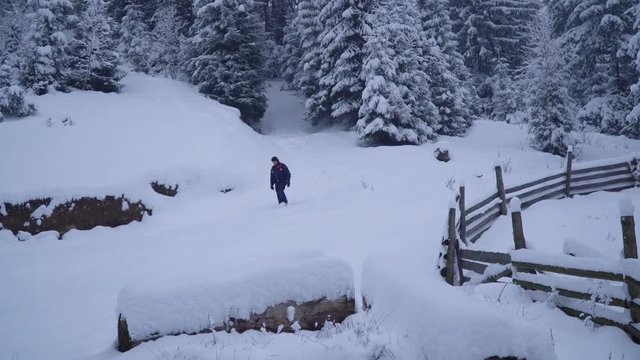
(381, 210)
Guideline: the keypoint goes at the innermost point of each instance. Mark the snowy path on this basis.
(285, 113)
(380, 209)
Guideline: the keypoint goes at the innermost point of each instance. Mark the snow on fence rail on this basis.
(604, 175)
(606, 292)
(301, 295)
(610, 175)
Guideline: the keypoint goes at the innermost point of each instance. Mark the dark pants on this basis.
(282, 198)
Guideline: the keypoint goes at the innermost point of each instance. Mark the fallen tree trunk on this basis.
(285, 317)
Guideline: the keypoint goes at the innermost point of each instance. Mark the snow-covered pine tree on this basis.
(224, 57)
(552, 111)
(164, 57)
(308, 20)
(632, 123)
(492, 30)
(390, 69)
(339, 94)
(12, 102)
(184, 15)
(14, 26)
(507, 103)
(45, 58)
(135, 37)
(447, 93)
(93, 59)
(116, 9)
(291, 53)
(437, 24)
(445, 67)
(602, 70)
(280, 14)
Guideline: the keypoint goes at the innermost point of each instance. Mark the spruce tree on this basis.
(507, 103)
(135, 38)
(224, 58)
(14, 25)
(291, 53)
(445, 67)
(492, 30)
(389, 113)
(12, 102)
(552, 111)
(116, 9)
(93, 60)
(164, 55)
(45, 58)
(632, 123)
(338, 97)
(308, 21)
(602, 70)
(437, 24)
(184, 15)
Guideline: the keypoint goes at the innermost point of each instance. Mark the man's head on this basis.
(275, 160)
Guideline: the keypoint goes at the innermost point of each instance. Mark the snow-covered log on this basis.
(62, 215)
(301, 295)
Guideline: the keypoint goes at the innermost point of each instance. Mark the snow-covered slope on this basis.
(155, 128)
(378, 209)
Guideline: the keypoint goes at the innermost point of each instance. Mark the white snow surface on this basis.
(515, 205)
(626, 207)
(161, 307)
(379, 210)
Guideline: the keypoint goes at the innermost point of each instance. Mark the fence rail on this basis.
(606, 292)
(478, 217)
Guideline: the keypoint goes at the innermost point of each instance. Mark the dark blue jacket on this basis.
(280, 175)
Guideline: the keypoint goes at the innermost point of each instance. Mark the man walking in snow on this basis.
(280, 177)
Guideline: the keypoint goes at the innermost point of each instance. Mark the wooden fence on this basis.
(476, 218)
(605, 292)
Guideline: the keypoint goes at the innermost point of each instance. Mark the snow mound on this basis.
(446, 325)
(169, 308)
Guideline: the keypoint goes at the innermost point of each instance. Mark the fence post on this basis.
(628, 229)
(630, 251)
(451, 249)
(567, 189)
(516, 222)
(463, 214)
(501, 193)
(124, 339)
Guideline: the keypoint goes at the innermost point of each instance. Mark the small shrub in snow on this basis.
(177, 354)
(67, 121)
(451, 183)
(12, 102)
(604, 114)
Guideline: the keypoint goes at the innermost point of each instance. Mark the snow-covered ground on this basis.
(381, 210)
